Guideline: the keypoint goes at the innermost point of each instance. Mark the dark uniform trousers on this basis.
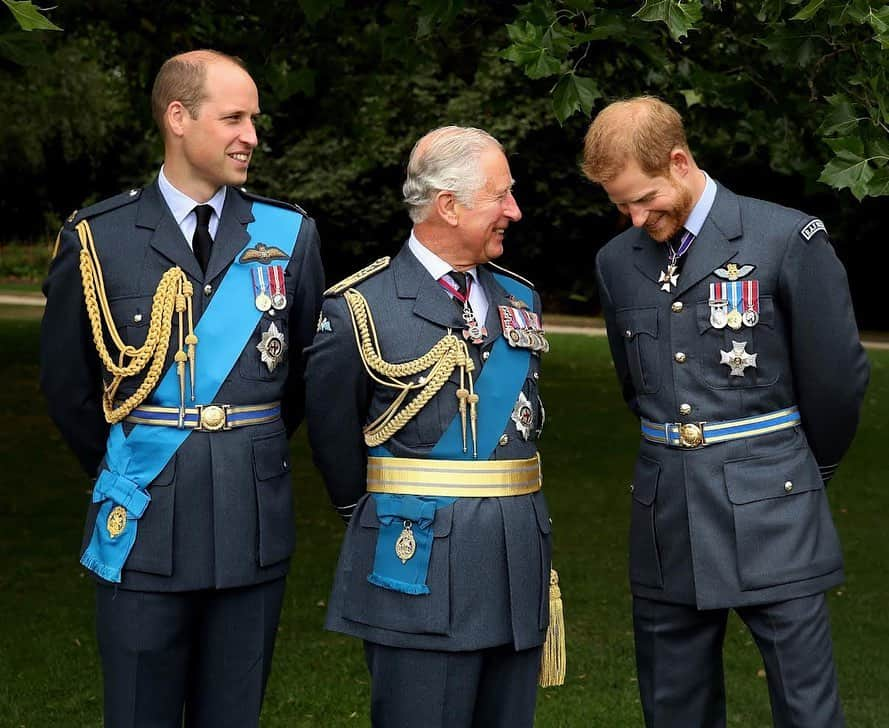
(742, 524)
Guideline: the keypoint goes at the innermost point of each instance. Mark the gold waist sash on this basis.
(461, 478)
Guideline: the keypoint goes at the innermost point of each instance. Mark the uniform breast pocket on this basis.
(265, 357)
(750, 356)
(639, 329)
(132, 319)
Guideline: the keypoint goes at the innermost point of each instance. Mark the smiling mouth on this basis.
(240, 157)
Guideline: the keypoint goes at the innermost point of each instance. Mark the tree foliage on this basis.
(806, 80)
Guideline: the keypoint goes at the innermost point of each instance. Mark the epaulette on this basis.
(365, 273)
(272, 201)
(509, 273)
(808, 231)
(103, 206)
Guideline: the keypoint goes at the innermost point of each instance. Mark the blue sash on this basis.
(133, 461)
(502, 377)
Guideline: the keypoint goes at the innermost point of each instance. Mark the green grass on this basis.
(49, 672)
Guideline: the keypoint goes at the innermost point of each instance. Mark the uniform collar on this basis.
(699, 212)
(181, 204)
(431, 262)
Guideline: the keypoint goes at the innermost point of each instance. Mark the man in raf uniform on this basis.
(733, 338)
(423, 415)
(170, 360)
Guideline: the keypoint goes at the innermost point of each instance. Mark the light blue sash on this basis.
(133, 461)
(502, 377)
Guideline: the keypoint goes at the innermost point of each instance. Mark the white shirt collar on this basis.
(699, 212)
(181, 204)
(431, 262)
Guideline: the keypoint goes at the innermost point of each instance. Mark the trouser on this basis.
(679, 663)
(204, 655)
(491, 688)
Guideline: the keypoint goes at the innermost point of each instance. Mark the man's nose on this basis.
(511, 208)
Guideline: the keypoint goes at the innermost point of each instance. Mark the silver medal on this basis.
(272, 347)
(523, 416)
(737, 359)
(719, 314)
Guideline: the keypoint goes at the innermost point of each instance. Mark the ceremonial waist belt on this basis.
(699, 434)
(206, 417)
(461, 478)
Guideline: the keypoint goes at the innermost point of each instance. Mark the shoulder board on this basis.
(504, 271)
(808, 231)
(272, 201)
(355, 278)
(103, 206)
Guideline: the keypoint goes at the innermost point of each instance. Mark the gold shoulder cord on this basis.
(173, 295)
(439, 362)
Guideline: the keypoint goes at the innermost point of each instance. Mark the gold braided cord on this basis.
(438, 363)
(171, 295)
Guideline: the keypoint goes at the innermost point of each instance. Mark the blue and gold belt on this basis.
(699, 434)
(207, 417)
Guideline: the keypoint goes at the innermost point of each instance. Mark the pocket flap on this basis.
(441, 525)
(271, 456)
(131, 311)
(645, 479)
(634, 321)
(766, 314)
(773, 476)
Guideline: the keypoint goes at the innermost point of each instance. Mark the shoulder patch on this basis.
(272, 201)
(511, 274)
(355, 278)
(103, 206)
(812, 227)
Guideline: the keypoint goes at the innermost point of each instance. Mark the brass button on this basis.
(788, 486)
(504, 439)
(208, 289)
(680, 357)
(676, 307)
(485, 355)
(212, 418)
(685, 409)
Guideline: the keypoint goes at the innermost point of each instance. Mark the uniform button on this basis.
(685, 409)
(628, 333)
(676, 307)
(632, 487)
(137, 317)
(536, 375)
(679, 357)
(504, 439)
(208, 289)
(485, 355)
(788, 486)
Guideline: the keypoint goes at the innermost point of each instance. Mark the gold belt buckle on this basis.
(691, 434)
(212, 417)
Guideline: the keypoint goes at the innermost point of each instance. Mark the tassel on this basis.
(553, 658)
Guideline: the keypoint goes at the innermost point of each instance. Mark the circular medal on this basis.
(514, 336)
(405, 546)
(117, 521)
(734, 320)
(750, 317)
(263, 301)
(718, 318)
(279, 301)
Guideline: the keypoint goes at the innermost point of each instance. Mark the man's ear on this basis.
(680, 161)
(175, 118)
(445, 204)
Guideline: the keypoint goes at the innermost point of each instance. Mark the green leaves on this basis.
(533, 49)
(574, 93)
(28, 16)
(679, 16)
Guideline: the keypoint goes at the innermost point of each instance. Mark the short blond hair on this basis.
(181, 78)
(644, 129)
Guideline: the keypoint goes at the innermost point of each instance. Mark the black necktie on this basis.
(201, 241)
(460, 280)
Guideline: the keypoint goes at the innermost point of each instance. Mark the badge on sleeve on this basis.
(272, 347)
(323, 324)
(810, 228)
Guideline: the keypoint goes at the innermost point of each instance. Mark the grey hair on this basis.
(445, 159)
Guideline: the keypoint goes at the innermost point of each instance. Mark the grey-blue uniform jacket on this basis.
(747, 521)
(489, 569)
(221, 511)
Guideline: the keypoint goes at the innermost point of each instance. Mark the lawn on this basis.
(49, 673)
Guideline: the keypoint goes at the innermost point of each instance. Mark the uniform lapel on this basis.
(432, 303)
(166, 238)
(497, 296)
(714, 246)
(650, 257)
(231, 235)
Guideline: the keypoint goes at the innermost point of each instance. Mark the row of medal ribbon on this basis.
(734, 304)
(269, 291)
(522, 329)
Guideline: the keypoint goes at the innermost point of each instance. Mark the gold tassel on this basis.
(553, 659)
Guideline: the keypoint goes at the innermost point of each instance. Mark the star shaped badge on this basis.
(738, 359)
(272, 347)
(670, 278)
